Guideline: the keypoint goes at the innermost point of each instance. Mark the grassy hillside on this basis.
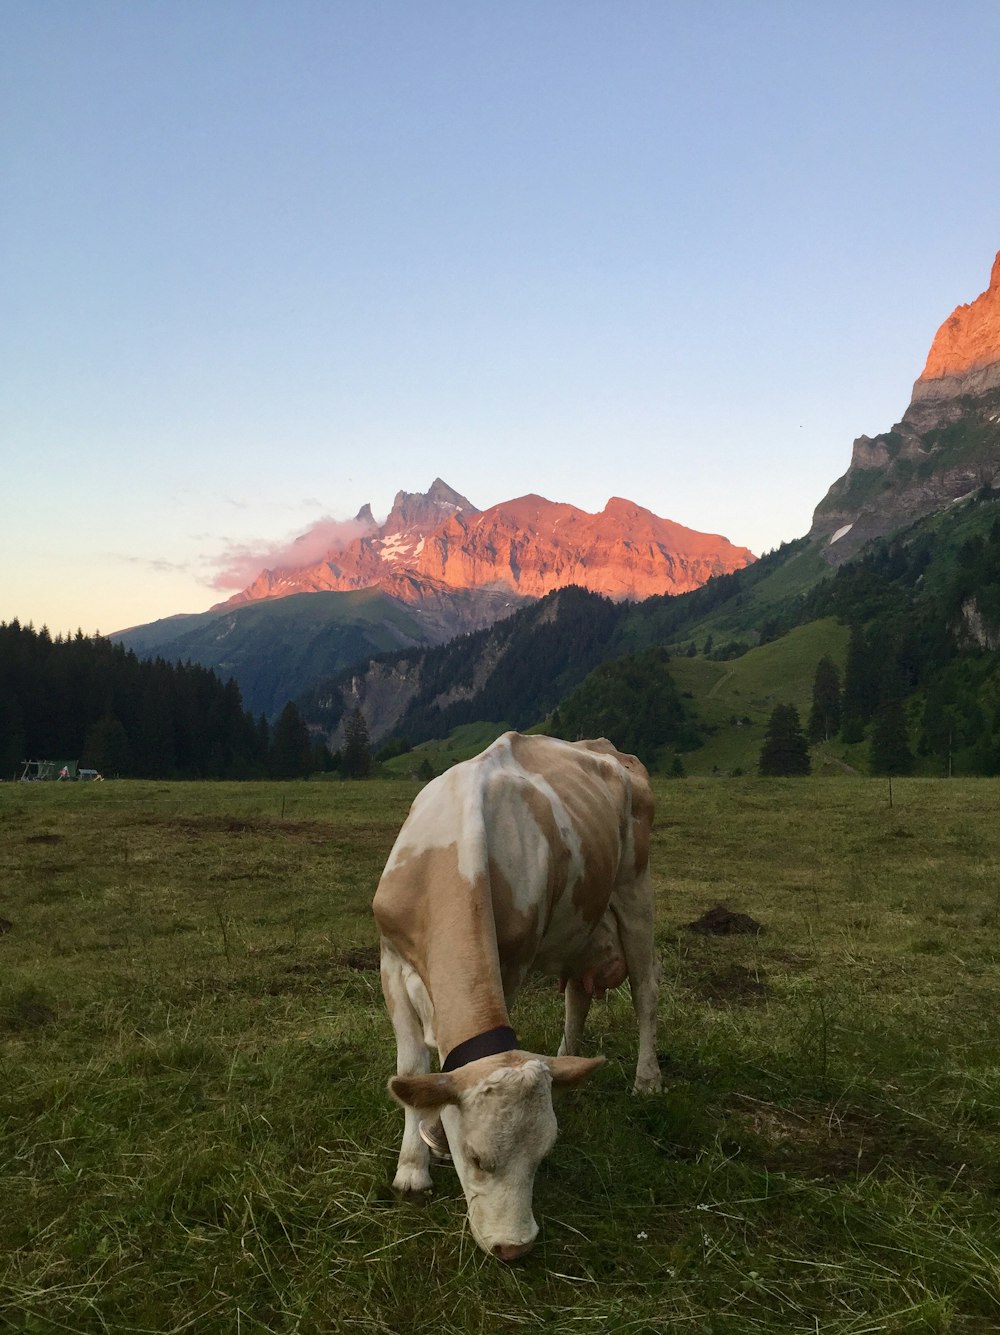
(928, 606)
(461, 744)
(732, 607)
(773, 598)
(735, 699)
(194, 1133)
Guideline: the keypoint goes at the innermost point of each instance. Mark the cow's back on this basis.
(520, 846)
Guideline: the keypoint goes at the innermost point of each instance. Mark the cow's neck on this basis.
(463, 976)
(489, 1044)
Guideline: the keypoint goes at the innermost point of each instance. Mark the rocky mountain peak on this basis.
(425, 509)
(965, 355)
(945, 447)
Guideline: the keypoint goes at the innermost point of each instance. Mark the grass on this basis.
(194, 1134)
(736, 698)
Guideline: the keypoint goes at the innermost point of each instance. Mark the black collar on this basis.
(493, 1041)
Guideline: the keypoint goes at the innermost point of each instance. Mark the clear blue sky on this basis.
(261, 263)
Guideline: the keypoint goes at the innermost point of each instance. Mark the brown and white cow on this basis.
(532, 855)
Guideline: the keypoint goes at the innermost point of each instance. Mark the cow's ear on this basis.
(567, 1071)
(423, 1091)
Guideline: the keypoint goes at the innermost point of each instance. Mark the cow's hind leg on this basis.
(412, 1058)
(577, 1007)
(633, 909)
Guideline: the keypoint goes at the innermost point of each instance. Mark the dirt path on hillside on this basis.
(720, 683)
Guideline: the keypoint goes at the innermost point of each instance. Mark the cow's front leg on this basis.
(412, 1058)
(577, 1007)
(635, 927)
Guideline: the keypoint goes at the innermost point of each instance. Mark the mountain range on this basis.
(358, 627)
(438, 540)
(435, 568)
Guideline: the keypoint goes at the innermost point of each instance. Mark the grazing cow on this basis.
(531, 855)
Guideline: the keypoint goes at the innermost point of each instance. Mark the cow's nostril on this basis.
(510, 1251)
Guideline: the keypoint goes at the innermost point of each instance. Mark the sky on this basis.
(262, 263)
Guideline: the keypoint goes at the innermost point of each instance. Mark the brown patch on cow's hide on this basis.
(402, 900)
(598, 811)
(441, 923)
(643, 802)
(723, 921)
(601, 842)
(597, 787)
(540, 811)
(643, 812)
(587, 806)
(517, 929)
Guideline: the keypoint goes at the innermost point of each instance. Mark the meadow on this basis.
(195, 1135)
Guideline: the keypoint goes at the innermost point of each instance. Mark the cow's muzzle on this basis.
(510, 1251)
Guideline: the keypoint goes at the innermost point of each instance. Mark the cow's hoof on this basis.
(648, 1084)
(413, 1186)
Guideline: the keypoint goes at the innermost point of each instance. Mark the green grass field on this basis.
(194, 1134)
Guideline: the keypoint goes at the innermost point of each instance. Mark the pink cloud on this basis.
(240, 564)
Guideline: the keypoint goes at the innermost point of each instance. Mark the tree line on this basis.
(87, 699)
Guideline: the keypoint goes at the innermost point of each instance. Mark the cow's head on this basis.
(497, 1113)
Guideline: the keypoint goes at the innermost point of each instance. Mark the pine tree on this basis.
(889, 751)
(824, 716)
(635, 703)
(785, 751)
(291, 748)
(356, 760)
(107, 747)
(855, 701)
(11, 739)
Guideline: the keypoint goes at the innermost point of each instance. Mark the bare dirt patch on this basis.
(317, 973)
(817, 1142)
(313, 832)
(28, 1009)
(724, 921)
(837, 1142)
(361, 957)
(735, 985)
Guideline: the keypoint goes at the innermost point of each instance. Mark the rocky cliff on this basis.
(438, 541)
(965, 355)
(535, 546)
(946, 445)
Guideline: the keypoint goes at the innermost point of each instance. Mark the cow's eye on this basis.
(479, 1163)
